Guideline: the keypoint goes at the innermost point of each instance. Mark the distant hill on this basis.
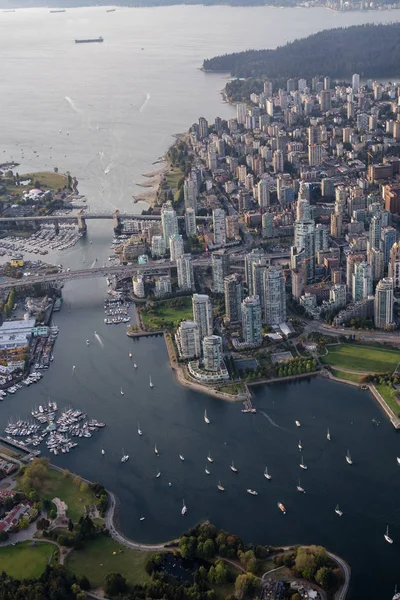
(7, 4)
(370, 50)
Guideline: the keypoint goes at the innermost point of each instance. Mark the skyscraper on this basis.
(388, 238)
(251, 320)
(375, 259)
(212, 352)
(275, 296)
(233, 290)
(184, 267)
(255, 256)
(267, 225)
(219, 227)
(220, 269)
(263, 194)
(176, 246)
(203, 128)
(375, 231)
(304, 238)
(190, 193)
(383, 309)
(202, 314)
(336, 225)
(188, 340)
(169, 222)
(355, 82)
(232, 226)
(325, 100)
(190, 222)
(315, 153)
(241, 112)
(278, 161)
(362, 281)
(394, 265)
(257, 279)
(157, 246)
(321, 238)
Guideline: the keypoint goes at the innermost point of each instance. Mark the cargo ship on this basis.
(89, 41)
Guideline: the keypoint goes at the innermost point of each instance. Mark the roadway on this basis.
(385, 337)
(91, 215)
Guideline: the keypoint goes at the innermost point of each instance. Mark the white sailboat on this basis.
(151, 383)
(87, 343)
(302, 465)
(156, 450)
(135, 365)
(158, 474)
(398, 460)
(103, 451)
(348, 458)
(220, 487)
(125, 457)
(122, 393)
(184, 509)
(130, 354)
(233, 468)
(266, 474)
(298, 424)
(301, 489)
(209, 458)
(206, 419)
(142, 518)
(328, 435)
(338, 511)
(181, 457)
(140, 432)
(387, 537)
(207, 471)
(300, 447)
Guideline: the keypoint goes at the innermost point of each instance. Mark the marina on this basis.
(43, 241)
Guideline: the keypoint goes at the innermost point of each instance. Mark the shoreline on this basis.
(152, 185)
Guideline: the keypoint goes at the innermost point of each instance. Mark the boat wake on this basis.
(145, 103)
(108, 168)
(270, 420)
(98, 338)
(72, 104)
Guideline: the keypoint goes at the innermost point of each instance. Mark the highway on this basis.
(91, 215)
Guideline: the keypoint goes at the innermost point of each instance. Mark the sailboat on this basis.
(158, 474)
(209, 458)
(220, 487)
(140, 432)
(124, 456)
(266, 474)
(398, 459)
(130, 354)
(184, 509)
(103, 451)
(300, 447)
(387, 537)
(122, 393)
(156, 450)
(207, 471)
(151, 383)
(233, 468)
(328, 435)
(298, 424)
(252, 492)
(302, 465)
(142, 518)
(301, 489)
(87, 343)
(181, 457)
(135, 365)
(338, 511)
(206, 419)
(348, 458)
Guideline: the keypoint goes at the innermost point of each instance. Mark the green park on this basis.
(167, 313)
(363, 359)
(27, 560)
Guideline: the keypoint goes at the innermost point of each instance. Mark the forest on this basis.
(370, 50)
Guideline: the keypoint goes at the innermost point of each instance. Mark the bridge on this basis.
(82, 216)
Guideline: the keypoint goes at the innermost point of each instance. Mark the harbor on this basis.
(43, 241)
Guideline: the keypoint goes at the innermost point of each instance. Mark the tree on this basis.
(245, 585)
(84, 487)
(42, 523)
(324, 577)
(221, 572)
(114, 584)
(208, 549)
(70, 525)
(77, 481)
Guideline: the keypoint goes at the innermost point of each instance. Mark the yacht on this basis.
(122, 393)
(298, 424)
(282, 508)
(387, 537)
(207, 471)
(209, 458)
(103, 451)
(87, 342)
(220, 487)
(348, 458)
(181, 457)
(328, 435)
(206, 419)
(124, 457)
(233, 468)
(300, 447)
(252, 492)
(302, 465)
(140, 432)
(184, 509)
(151, 383)
(266, 474)
(338, 511)
(156, 450)
(301, 489)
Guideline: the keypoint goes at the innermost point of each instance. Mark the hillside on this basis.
(371, 50)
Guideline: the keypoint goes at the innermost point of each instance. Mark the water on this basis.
(117, 107)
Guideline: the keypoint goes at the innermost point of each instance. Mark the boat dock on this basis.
(27, 451)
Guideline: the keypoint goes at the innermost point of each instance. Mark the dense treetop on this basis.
(370, 50)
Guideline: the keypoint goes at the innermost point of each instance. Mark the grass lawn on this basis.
(348, 376)
(58, 486)
(48, 180)
(162, 314)
(173, 176)
(388, 393)
(232, 388)
(97, 558)
(24, 560)
(362, 358)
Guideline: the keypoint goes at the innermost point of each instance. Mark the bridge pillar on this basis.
(117, 223)
(82, 227)
(57, 227)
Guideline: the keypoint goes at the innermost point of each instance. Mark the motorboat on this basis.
(156, 450)
(181, 457)
(151, 383)
(140, 432)
(122, 393)
(387, 537)
(87, 343)
(130, 354)
(303, 465)
(142, 518)
(206, 419)
(301, 489)
(282, 507)
(266, 474)
(209, 458)
(220, 487)
(125, 457)
(328, 435)
(103, 451)
(207, 471)
(135, 365)
(184, 509)
(158, 474)
(338, 511)
(252, 492)
(348, 458)
(298, 424)
(233, 468)
(398, 460)
(299, 445)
